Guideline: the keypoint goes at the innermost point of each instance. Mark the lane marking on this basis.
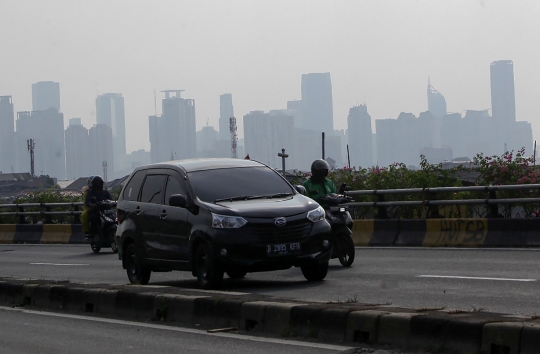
(339, 348)
(473, 278)
(61, 264)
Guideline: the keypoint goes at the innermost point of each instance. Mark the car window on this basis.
(131, 191)
(174, 186)
(210, 185)
(152, 191)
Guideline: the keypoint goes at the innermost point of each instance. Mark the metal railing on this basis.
(491, 202)
(21, 214)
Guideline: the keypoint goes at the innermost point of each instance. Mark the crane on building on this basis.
(234, 136)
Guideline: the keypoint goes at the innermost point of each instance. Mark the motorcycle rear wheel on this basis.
(346, 250)
(96, 248)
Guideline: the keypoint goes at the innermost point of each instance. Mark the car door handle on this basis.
(163, 215)
(138, 211)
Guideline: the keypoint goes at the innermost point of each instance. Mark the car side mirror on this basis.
(178, 200)
(300, 189)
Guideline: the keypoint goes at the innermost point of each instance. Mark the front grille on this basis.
(273, 234)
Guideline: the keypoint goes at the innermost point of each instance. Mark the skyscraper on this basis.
(226, 111)
(45, 95)
(503, 99)
(101, 140)
(318, 112)
(78, 150)
(173, 134)
(436, 101)
(360, 137)
(7, 135)
(110, 111)
(46, 127)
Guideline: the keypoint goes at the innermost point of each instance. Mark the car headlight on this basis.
(316, 214)
(227, 222)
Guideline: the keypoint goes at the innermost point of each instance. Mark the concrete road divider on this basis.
(425, 330)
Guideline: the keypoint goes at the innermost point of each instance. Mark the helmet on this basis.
(97, 183)
(319, 169)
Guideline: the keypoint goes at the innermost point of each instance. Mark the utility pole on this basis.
(104, 164)
(323, 145)
(31, 146)
(283, 156)
(234, 136)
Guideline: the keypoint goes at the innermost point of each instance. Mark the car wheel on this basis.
(346, 250)
(236, 274)
(136, 272)
(206, 268)
(95, 247)
(315, 271)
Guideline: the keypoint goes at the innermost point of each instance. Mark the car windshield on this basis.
(238, 183)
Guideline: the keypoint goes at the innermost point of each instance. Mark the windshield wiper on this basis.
(279, 195)
(241, 197)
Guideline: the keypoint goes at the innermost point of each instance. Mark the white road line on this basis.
(61, 264)
(473, 278)
(339, 348)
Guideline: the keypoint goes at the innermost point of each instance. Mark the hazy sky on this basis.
(379, 52)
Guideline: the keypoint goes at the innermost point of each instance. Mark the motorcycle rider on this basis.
(95, 194)
(318, 186)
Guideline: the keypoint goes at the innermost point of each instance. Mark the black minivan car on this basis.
(216, 216)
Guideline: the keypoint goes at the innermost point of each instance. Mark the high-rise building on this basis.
(101, 160)
(360, 137)
(78, 150)
(173, 134)
(7, 135)
(45, 95)
(436, 101)
(110, 111)
(206, 142)
(226, 111)
(503, 100)
(46, 127)
(265, 134)
(318, 111)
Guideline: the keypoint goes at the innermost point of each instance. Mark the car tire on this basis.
(236, 274)
(206, 268)
(346, 249)
(315, 271)
(136, 272)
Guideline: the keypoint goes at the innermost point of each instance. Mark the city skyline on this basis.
(379, 54)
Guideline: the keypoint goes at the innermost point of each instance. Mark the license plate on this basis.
(283, 249)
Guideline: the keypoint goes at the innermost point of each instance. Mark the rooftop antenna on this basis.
(155, 102)
(31, 145)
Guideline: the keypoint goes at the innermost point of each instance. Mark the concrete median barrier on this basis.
(405, 328)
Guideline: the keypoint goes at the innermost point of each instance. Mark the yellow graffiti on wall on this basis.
(455, 232)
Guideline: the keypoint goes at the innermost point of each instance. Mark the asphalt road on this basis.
(35, 332)
(497, 280)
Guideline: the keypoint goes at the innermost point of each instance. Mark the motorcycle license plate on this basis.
(283, 249)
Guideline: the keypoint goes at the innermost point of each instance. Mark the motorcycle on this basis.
(341, 221)
(105, 237)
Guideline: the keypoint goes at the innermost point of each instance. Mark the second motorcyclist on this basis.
(95, 194)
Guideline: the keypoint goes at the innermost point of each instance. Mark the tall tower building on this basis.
(360, 137)
(101, 140)
(110, 111)
(45, 95)
(436, 101)
(318, 112)
(503, 99)
(46, 127)
(7, 135)
(173, 134)
(77, 150)
(226, 111)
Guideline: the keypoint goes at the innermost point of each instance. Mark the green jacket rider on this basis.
(318, 185)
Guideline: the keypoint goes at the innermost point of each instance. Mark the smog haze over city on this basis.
(378, 52)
